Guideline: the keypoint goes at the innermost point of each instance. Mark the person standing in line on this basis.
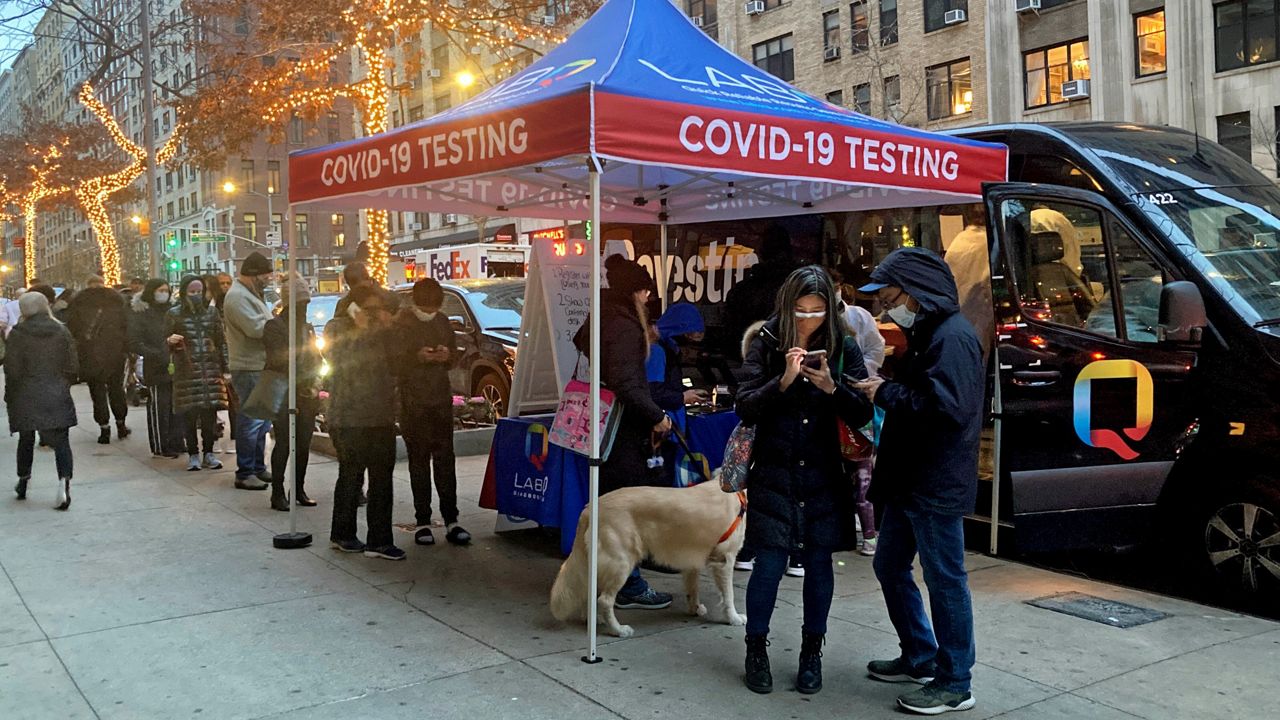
(872, 344)
(679, 325)
(148, 330)
(925, 480)
(801, 500)
(294, 297)
(624, 345)
(40, 364)
(362, 421)
(426, 349)
(199, 354)
(99, 321)
(245, 315)
(216, 286)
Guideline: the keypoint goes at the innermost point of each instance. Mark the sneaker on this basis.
(264, 476)
(868, 547)
(935, 700)
(251, 483)
(211, 462)
(423, 536)
(747, 565)
(650, 599)
(795, 569)
(193, 462)
(897, 671)
(347, 546)
(386, 552)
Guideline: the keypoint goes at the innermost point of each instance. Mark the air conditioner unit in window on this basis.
(831, 53)
(414, 227)
(697, 20)
(1075, 90)
(449, 219)
(954, 17)
(548, 19)
(476, 49)
(1026, 6)
(754, 7)
(433, 73)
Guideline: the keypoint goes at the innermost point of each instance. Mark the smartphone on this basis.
(813, 359)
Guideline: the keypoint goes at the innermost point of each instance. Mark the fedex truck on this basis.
(469, 262)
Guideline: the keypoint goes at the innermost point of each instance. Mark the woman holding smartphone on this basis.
(801, 500)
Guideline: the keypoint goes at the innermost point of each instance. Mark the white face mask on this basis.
(353, 310)
(811, 315)
(424, 316)
(162, 297)
(903, 315)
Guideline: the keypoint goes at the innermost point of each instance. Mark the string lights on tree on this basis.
(93, 193)
(43, 187)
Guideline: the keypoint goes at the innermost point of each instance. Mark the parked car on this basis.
(485, 313)
(320, 312)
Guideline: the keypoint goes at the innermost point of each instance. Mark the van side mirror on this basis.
(1182, 315)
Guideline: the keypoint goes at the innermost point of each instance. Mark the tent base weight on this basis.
(587, 659)
(291, 541)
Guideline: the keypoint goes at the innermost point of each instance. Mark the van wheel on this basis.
(494, 389)
(1241, 544)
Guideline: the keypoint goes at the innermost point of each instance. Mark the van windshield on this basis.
(1232, 235)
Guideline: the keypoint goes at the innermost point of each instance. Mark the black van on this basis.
(1136, 383)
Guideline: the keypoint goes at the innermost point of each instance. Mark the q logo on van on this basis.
(535, 445)
(1144, 411)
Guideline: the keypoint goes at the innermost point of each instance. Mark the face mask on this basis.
(162, 298)
(425, 316)
(196, 300)
(902, 315)
(811, 315)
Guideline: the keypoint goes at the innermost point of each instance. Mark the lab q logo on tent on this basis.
(535, 445)
(1141, 417)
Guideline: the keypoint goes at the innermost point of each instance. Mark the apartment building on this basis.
(1206, 65)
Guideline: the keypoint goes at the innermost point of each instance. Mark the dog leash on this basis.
(742, 495)
(684, 445)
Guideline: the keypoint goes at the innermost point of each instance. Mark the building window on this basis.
(836, 97)
(950, 89)
(442, 102)
(246, 176)
(295, 130)
(339, 228)
(862, 98)
(300, 230)
(273, 177)
(331, 125)
(1148, 29)
(860, 20)
(416, 113)
(707, 11)
(776, 57)
(830, 32)
(935, 12)
(251, 226)
(1048, 68)
(892, 98)
(1246, 32)
(888, 22)
(1236, 134)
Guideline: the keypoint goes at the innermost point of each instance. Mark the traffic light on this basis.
(174, 265)
(171, 239)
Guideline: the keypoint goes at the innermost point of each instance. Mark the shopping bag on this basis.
(737, 458)
(571, 429)
(268, 397)
(854, 444)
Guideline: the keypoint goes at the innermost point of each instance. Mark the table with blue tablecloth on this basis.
(528, 478)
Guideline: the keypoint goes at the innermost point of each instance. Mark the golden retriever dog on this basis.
(682, 528)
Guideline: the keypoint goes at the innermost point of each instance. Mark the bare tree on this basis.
(1267, 136)
(875, 60)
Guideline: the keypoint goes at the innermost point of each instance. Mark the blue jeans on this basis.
(251, 433)
(939, 541)
(762, 588)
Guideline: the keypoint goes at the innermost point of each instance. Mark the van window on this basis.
(1050, 170)
(1141, 281)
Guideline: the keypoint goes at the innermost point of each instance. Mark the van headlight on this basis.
(320, 343)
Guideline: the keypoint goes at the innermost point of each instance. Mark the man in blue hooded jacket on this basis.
(925, 479)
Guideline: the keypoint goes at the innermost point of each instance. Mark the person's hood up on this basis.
(923, 275)
(97, 297)
(680, 319)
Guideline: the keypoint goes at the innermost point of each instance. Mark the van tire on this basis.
(1237, 542)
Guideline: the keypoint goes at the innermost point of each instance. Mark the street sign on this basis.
(273, 237)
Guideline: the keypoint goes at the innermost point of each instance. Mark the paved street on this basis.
(158, 595)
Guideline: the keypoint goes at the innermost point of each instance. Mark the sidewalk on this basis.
(158, 595)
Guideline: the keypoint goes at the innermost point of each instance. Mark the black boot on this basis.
(21, 487)
(279, 501)
(758, 679)
(122, 430)
(809, 679)
(104, 435)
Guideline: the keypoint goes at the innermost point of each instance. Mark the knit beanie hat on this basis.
(33, 303)
(255, 264)
(625, 276)
(295, 292)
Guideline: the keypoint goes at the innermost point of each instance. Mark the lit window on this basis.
(1048, 68)
(1246, 32)
(1149, 31)
(950, 89)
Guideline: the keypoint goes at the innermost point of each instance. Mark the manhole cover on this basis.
(1099, 610)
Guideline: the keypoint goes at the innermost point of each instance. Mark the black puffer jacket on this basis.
(624, 344)
(198, 367)
(148, 326)
(799, 494)
(99, 321)
(928, 455)
(40, 362)
(423, 384)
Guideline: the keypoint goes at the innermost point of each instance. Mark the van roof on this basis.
(1137, 158)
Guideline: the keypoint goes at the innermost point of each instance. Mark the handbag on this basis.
(737, 458)
(854, 444)
(268, 396)
(571, 429)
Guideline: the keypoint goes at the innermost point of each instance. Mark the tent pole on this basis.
(594, 474)
(664, 276)
(292, 539)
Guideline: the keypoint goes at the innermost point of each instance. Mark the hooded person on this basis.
(294, 297)
(680, 324)
(40, 364)
(199, 351)
(148, 338)
(98, 319)
(624, 350)
(925, 479)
